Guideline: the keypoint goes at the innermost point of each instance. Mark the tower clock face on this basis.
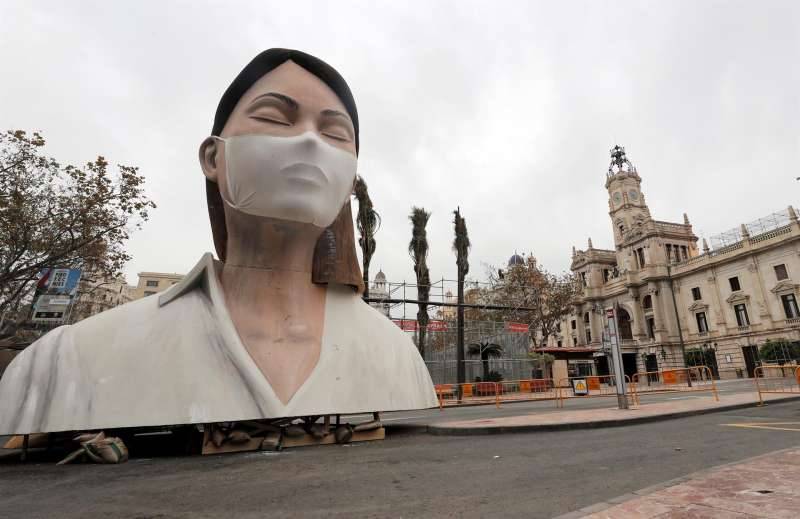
(617, 197)
(633, 194)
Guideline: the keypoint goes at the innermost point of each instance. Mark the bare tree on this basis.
(54, 215)
(536, 297)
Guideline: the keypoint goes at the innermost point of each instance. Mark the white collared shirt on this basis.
(177, 358)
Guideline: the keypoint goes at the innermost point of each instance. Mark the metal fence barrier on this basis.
(495, 392)
(595, 386)
(691, 379)
(469, 393)
(776, 379)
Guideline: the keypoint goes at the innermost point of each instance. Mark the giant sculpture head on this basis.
(268, 334)
(283, 150)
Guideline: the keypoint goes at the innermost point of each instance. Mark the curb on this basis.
(444, 430)
(643, 492)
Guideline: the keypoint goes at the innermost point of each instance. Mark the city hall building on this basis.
(676, 295)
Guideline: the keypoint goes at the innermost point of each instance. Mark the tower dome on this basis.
(516, 259)
(380, 277)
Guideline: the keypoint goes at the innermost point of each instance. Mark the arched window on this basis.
(647, 302)
(586, 318)
(624, 320)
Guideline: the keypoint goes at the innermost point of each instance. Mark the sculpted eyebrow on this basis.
(335, 113)
(291, 103)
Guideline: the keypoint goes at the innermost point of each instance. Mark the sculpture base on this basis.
(255, 444)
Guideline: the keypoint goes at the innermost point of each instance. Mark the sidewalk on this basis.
(764, 486)
(609, 417)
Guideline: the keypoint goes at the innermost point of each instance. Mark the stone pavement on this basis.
(765, 486)
(607, 417)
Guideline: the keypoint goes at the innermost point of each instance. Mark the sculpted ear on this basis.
(210, 155)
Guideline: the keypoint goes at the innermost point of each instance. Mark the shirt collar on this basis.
(199, 276)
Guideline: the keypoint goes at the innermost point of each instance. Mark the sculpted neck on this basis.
(276, 308)
(266, 244)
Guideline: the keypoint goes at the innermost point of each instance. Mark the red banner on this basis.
(517, 327)
(410, 325)
(407, 325)
(437, 326)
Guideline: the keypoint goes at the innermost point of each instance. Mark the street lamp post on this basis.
(678, 321)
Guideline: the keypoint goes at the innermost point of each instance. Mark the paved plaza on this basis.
(762, 487)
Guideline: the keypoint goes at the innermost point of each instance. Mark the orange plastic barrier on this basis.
(469, 393)
(679, 380)
(495, 392)
(776, 379)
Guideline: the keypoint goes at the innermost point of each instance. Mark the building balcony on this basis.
(794, 321)
(743, 329)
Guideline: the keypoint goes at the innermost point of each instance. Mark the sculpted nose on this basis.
(309, 141)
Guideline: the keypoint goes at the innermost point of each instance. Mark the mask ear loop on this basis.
(224, 141)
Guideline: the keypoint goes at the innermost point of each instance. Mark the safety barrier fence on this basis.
(776, 379)
(495, 392)
(590, 386)
(691, 379)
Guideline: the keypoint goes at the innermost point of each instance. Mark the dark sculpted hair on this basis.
(335, 258)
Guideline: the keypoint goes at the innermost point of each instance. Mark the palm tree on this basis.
(461, 247)
(367, 221)
(485, 350)
(418, 250)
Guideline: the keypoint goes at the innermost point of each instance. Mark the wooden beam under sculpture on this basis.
(274, 328)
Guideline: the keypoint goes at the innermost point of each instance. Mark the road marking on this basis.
(403, 418)
(766, 425)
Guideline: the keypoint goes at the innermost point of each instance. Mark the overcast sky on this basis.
(507, 109)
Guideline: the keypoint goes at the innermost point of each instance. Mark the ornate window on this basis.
(780, 272)
(742, 318)
(790, 306)
(734, 281)
(702, 323)
(696, 295)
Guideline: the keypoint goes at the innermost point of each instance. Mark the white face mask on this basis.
(301, 178)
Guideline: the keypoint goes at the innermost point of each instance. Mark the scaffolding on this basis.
(482, 327)
(754, 228)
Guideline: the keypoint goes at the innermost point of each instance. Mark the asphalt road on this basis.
(408, 475)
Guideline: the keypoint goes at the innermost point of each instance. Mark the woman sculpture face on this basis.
(287, 102)
(284, 164)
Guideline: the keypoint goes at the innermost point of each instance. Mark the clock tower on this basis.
(626, 205)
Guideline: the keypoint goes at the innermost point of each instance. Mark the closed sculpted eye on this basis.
(273, 108)
(336, 134)
(337, 126)
(271, 116)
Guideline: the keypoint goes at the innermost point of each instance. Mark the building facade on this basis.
(674, 300)
(95, 296)
(154, 282)
(380, 289)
